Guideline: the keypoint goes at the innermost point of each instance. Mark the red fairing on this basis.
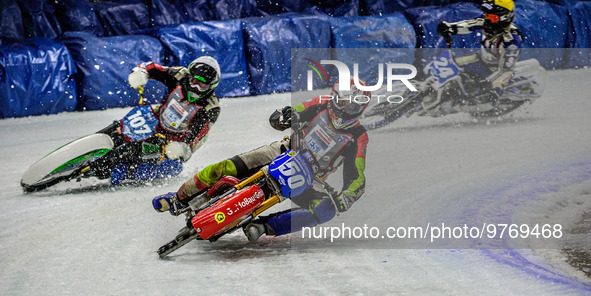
(224, 181)
(227, 212)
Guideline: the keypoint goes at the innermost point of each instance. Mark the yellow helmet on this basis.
(507, 4)
(498, 15)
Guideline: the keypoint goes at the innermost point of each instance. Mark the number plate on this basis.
(139, 124)
(444, 69)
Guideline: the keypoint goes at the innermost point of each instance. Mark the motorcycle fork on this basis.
(440, 92)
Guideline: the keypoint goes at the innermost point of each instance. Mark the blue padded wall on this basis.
(36, 77)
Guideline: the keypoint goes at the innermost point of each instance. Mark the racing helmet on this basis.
(204, 76)
(347, 105)
(498, 15)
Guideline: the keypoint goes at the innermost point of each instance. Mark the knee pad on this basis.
(324, 211)
(211, 174)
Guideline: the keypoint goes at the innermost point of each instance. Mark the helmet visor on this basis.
(203, 73)
(350, 102)
(493, 18)
(349, 106)
(197, 82)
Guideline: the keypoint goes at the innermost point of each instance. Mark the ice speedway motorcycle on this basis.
(75, 160)
(444, 91)
(234, 203)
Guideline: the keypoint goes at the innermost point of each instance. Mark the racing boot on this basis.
(168, 202)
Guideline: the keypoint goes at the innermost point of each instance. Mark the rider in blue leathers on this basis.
(501, 47)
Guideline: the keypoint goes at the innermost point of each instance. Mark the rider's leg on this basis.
(319, 210)
(239, 166)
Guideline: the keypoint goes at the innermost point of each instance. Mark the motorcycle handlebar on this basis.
(140, 90)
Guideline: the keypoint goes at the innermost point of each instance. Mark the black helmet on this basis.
(345, 107)
(498, 15)
(204, 76)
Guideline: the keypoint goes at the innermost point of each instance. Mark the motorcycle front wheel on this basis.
(66, 162)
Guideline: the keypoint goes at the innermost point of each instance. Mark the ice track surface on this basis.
(89, 238)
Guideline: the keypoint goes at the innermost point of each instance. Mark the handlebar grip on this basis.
(140, 90)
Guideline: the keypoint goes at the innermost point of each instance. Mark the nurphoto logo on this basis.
(345, 74)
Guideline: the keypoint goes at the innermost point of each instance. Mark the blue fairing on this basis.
(444, 68)
(139, 124)
(292, 172)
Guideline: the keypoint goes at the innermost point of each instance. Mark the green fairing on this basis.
(79, 159)
(150, 148)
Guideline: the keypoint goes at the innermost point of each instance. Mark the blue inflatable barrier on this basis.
(36, 77)
(233, 9)
(198, 10)
(579, 38)
(122, 17)
(564, 2)
(75, 15)
(39, 19)
(383, 7)
(543, 25)
(11, 23)
(167, 12)
(273, 7)
(104, 64)
(337, 8)
(220, 39)
(393, 33)
(269, 42)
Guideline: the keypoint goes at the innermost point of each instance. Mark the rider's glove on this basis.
(138, 77)
(444, 29)
(345, 200)
(281, 119)
(180, 150)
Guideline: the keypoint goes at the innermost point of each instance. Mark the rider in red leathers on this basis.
(328, 127)
(185, 118)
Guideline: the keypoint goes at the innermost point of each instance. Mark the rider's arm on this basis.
(465, 27)
(309, 109)
(169, 76)
(354, 168)
(200, 126)
(282, 119)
